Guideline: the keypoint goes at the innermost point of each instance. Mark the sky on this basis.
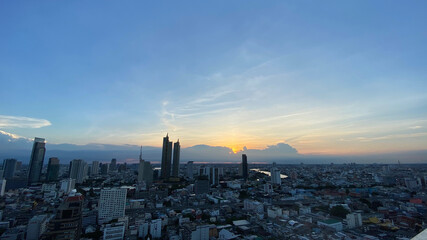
(324, 77)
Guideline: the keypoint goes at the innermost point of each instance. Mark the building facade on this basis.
(52, 170)
(36, 160)
(112, 204)
(166, 158)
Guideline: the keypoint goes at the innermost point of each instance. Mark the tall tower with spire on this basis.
(176, 152)
(140, 154)
(165, 172)
(141, 167)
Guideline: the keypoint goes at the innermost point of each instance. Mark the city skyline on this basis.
(343, 80)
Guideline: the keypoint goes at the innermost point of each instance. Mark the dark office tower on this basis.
(175, 167)
(166, 158)
(190, 170)
(202, 185)
(9, 167)
(67, 223)
(113, 165)
(245, 170)
(52, 169)
(18, 166)
(36, 161)
(104, 168)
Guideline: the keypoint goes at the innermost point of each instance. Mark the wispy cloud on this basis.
(13, 136)
(393, 136)
(22, 122)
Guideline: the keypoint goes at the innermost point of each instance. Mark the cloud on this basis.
(22, 122)
(280, 151)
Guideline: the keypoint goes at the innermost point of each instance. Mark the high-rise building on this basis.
(95, 168)
(18, 166)
(112, 204)
(36, 161)
(245, 170)
(141, 170)
(113, 165)
(176, 154)
(78, 170)
(67, 185)
(275, 176)
(2, 187)
(141, 167)
(148, 172)
(67, 223)
(202, 185)
(9, 167)
(52, 169)
(166, 158)
(190, 170)
(213, 176)
(145, 170)
(105, 168)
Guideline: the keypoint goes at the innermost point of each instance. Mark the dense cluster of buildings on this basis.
(116, 200)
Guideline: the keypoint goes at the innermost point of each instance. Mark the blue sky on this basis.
(326, 77)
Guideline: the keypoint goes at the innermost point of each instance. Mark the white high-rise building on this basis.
(95, 168)
(275, 176)
(112, 204)
(67, 185)
(78, 170)
(156, 228)
(354, 220)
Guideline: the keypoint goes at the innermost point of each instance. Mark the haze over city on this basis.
(285, 80)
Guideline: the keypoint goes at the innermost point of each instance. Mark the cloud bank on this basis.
(22, 122)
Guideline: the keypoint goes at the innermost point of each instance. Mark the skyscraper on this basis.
(9, 167)
(95, 168)
(113, 165)
(148, 172)
(112, 204)
(190, 169)
(141, 167)
(78, 170)
(145, 170)
(36, 161)
(52, 169)
(245, 170)
(275, 176)
(166, 158)
(105, 168)
(176, 153)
